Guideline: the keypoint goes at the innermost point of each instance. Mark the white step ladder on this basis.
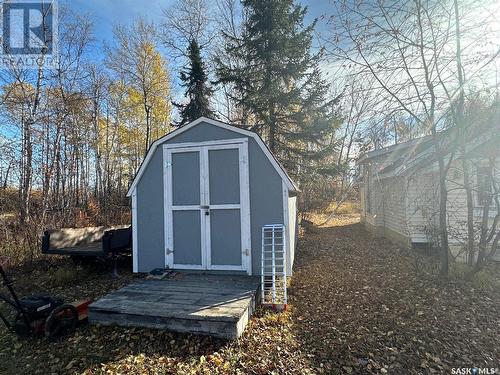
(273, 261)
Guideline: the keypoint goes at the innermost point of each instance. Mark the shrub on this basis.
(67, 275)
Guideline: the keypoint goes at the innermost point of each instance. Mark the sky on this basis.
(107, 13)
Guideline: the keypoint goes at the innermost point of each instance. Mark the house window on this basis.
(483, 185)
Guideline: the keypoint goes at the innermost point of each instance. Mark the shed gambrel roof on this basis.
(277, 166)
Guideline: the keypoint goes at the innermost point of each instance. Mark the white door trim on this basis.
(286, 222)
(219, 142)
(205, 198)
(169, 208)
(135, 250)
(244, 206)
(246, 236)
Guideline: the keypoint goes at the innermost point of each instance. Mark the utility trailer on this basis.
(89, 243)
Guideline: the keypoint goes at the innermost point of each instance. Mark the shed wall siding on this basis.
(150, 223)
(266, 201)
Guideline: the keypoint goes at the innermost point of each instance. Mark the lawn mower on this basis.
(41, 313)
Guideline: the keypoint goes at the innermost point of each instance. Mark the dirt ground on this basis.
(358, 305)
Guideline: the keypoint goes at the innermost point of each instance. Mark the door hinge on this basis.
(246, 252)
(168, 251)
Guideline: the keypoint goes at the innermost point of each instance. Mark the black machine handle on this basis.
(15, 303)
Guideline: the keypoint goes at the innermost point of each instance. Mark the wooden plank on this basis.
(172, 314)
(200, 278)
(180, 294)
(189, 289)
(166, 309)
(218, 306)
(226, 330)
(214, 293)
(174, 310)
(209, 284)
(198, 303)
(110, 303)
(194, 286)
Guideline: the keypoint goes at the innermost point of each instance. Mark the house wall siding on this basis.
(422, 201)
(457, 211)
(362, 201)
(394, 192)
(421, 207)
(374, 195)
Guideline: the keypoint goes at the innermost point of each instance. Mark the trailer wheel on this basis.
(62, 320)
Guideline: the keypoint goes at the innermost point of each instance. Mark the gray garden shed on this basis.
(201, 197)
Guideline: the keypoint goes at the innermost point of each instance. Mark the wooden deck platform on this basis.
(216, 305)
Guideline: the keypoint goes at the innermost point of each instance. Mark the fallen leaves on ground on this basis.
(268, 345)
(361, 307)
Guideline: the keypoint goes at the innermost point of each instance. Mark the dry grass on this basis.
(345, 212)
(345, 208)
(21, 243)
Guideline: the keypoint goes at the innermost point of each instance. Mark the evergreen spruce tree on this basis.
(278, 81)
(198, 91)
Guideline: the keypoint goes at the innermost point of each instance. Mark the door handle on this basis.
(205, 207)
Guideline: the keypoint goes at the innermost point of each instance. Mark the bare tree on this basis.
(184, 21)
(409, 48)
(230, 17)
(136, 60)
(23, 100)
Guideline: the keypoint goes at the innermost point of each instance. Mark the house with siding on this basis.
(399, 188)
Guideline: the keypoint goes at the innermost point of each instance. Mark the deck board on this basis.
(217, 305)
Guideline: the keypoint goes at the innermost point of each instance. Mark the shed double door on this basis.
(207, 207)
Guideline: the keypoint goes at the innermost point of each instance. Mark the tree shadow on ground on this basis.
(360, 307)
